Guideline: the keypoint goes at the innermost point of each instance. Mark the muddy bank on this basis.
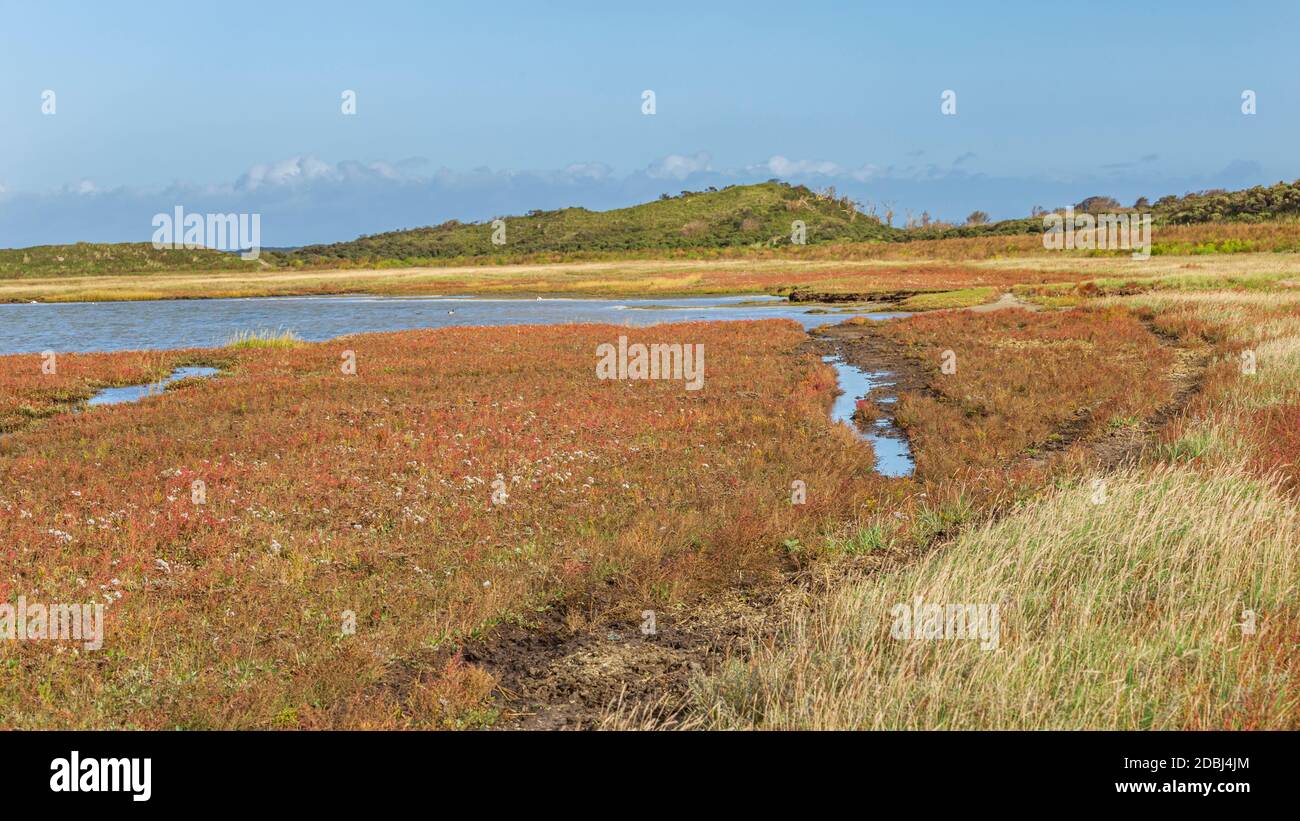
(887, 298)
(553, 676)
(862, 347)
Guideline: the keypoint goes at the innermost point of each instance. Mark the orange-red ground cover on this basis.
(35, 386)
(1279, 442)
(326, 494)
(1022, 381)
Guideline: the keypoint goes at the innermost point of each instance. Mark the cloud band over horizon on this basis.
(306, 200)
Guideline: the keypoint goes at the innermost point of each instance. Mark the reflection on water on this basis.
(893, 454)
(206, 323)
(134, 393)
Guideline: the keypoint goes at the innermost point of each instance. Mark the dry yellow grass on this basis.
(1120, 615)
(622, 277)
(614, 278)
(1221, 265)
(651, 277)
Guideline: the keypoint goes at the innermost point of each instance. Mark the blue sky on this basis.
(472, 111)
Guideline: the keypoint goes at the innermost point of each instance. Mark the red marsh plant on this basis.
(1018, 382)
(350, 525)
(34, 386)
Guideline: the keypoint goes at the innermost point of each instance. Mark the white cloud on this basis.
(374, 169)
(587, 171)
(782, 167)
(306, 169)
(787, 169)
(286, 172)
(678, 166)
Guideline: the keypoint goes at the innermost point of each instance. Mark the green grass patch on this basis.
(960, 298)
(264, 339)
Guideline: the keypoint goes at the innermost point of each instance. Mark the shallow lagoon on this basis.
(206, 323)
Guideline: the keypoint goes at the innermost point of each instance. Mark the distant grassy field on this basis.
(622, 278)
(1052, 281)
(1056, 279)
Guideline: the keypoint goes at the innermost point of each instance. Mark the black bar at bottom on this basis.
(337, 770)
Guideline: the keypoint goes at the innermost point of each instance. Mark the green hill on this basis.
(738, 216)
(99, 258)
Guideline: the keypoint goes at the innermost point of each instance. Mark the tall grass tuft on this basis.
(264, 339)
